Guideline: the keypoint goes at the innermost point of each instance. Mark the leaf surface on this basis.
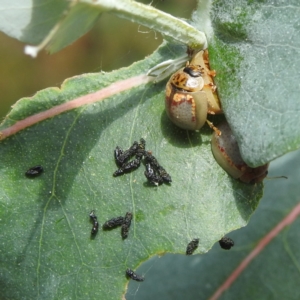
(47, 249)
(32, 20)
(200, 276)
(256, 52)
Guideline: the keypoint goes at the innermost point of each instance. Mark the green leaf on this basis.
(46, 248)
(79, 21)
(33, 24)
(61, 21)
(32, 20)
(67, 21)
(200, 276)
(256, 52)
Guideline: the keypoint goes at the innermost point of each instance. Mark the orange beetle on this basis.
(191, 94)
(227, 154)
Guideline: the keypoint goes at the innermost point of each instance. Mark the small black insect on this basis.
(155, 173)
(126, 225)
(141, 149)
(192, 246)
(151, 159)
(128, 167)
(131, 274)
(118, 153)
(152, 176)
(95, 223)
(113, 223)
(122, 157)
(34, 171)
(164, 175)
(226, 243)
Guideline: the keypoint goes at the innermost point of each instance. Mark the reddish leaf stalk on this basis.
(291, 217)
(100, 95)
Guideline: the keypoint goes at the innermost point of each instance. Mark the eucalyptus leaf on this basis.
(178, 277)
(256, 52)
(47, 251)
(30, 20)
(79, 21)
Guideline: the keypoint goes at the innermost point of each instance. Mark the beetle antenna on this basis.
(277, 177)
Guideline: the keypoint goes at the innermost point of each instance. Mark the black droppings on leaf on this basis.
(34, 171)
(113, 223)
(192, 246)
(95, 223)
(226, 243)
(131, 274)
(126, 225)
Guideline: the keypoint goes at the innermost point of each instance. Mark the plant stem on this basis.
(147, 15)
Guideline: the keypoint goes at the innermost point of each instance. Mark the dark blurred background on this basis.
(112, 43)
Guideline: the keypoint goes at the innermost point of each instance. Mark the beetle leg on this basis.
(205, 55)
(212, 73)
(211, 86)
(216, 130)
